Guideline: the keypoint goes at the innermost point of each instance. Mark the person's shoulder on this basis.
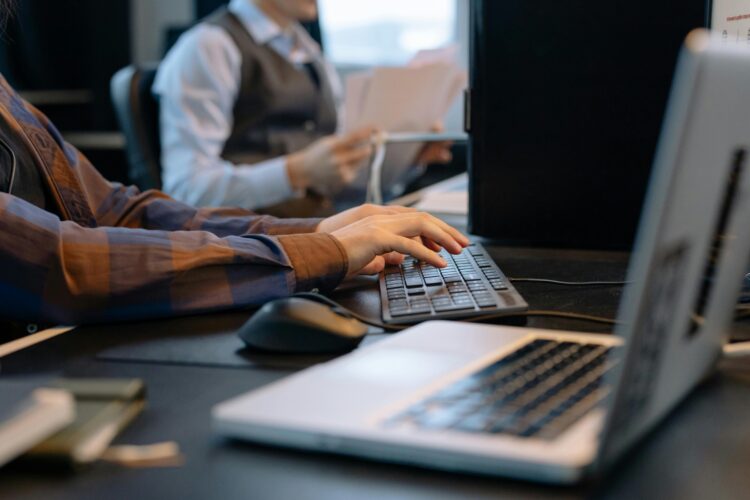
(204, 47)
(202, 38)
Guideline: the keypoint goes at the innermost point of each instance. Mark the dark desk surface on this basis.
(701, 451)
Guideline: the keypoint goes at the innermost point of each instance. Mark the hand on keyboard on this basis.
(368, 241)
(470, 284)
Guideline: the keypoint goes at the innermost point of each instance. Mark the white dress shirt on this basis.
(197, 84)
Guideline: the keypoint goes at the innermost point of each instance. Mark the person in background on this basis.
(249, 114)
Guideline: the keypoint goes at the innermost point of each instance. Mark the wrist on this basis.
(322, 227)
(295, 172)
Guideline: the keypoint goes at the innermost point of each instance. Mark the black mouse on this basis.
(298, 325)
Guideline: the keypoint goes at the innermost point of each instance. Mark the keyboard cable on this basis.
(532, 313)
(731, 351)
(569, 283)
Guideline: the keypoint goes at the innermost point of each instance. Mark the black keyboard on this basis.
(537, 391)
(471, 285)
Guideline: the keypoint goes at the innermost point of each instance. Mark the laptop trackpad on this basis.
(400, 366)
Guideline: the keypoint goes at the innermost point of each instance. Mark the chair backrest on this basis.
(137, 111)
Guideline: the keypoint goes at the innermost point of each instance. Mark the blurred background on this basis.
(61, 54)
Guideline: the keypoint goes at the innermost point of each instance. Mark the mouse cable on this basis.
(569, 283)
(532, 313)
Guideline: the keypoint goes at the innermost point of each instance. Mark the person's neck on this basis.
(274, 13)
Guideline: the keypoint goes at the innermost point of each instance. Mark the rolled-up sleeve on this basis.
(60, 272)
(319, 260)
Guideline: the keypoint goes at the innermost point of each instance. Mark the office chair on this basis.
(137, 112)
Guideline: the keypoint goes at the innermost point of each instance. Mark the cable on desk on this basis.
(551, 314)
(373, 322)
(348, 312)
(569, 283)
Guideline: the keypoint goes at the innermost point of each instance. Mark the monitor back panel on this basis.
(566, 101)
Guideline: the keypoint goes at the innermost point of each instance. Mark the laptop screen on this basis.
(693, 242)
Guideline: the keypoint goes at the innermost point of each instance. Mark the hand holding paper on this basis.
(412, 98)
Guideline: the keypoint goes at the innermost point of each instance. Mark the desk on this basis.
(702, 451)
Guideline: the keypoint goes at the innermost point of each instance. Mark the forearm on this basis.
(60, 272)
(125, 206)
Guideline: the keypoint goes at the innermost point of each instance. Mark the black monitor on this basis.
(565, 106)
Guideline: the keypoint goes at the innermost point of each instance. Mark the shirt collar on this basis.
(264, 30)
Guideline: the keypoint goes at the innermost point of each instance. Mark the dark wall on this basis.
(567, 100)
(69, 45)
(205, 7)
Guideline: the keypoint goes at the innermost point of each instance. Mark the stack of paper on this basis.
(104, 407)
(412, 98)
(30, 414)
(450, 197)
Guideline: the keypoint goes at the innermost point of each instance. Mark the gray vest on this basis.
(280, 108)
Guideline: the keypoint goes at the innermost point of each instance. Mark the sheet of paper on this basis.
(453, 202)
(401, 99)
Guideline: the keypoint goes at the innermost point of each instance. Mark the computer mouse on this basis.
(298, 325)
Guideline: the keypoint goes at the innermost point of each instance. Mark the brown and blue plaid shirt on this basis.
(100, 251)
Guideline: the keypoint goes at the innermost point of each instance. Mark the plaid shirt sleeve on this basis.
(146, 255)
(60, 272)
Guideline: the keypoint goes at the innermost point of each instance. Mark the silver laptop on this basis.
(546, 405)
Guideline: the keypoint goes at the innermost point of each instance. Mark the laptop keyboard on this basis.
(471, 285)
(537, 391)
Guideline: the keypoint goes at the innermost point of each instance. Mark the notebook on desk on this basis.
(30, 412)
(548, 405)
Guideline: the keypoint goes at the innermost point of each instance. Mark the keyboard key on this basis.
(401, 312)
(433, 281)
(421, 310)
(413, 281)
(416, 291)
(453, 307)
(441, 305)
